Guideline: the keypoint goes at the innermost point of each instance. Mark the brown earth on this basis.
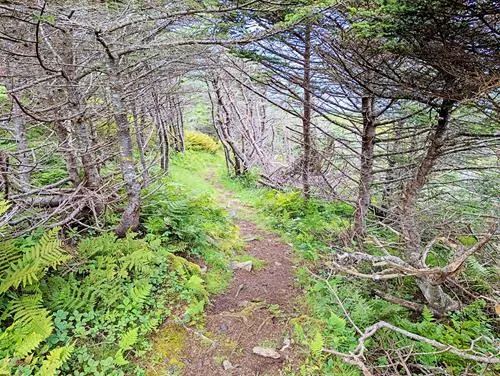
(255, 311)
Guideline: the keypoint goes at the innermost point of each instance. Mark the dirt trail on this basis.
(254, 311)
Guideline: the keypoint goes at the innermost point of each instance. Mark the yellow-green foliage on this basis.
(30, 322)
(200, 141)
(168, 345)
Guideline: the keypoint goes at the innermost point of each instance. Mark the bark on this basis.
(4, 173)
(216, 120)
(388, 194)
(80, 126)
(163, 135)
(433, 293)
(68, 152)
(22, 146)
(223, 124)
(180, 127)
(139, 138)
(366, 174)
(130, 216)
(306, 116)
(91, 173)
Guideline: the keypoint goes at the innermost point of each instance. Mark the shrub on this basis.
(200, 141)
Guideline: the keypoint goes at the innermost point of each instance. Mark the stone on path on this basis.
(266, 352)
(245, 265)
(226, 364)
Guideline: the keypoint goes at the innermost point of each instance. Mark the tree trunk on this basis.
(139, 138)
(68, 152)
(366, 174)
(434, 294)
(79, 125)
(306, 116)
(21, 145)
(130, 216)
(223, 119)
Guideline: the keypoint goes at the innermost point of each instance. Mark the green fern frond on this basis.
(68, 294)
(128, 339)
(31, 267)
(48, 250)
(56, 358)
(316, 345)
(22, 273)
(139, 260)
(9, 254)
(98, 246)
(177, 208)
(427, 315)
(22, 337)
(5, 367)
(140, 291)
(25, 308)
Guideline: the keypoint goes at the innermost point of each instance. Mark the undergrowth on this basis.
(92, 306)
(313, 227)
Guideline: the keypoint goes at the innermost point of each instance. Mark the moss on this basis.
(168, 346)
(217, 280)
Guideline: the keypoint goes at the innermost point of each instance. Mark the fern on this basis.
(22, 273)
(33, 264)
(316, 345)
(68, 294)
(139, 260)
(140, 292)
(26, 334)
(128, 339)
(48, 250)
(427, 315)
(26, 307)
(9, 254)
(31, 323)
(56, 358)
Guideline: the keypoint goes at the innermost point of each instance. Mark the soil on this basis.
(255, 311)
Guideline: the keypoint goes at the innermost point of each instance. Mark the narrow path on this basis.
(254, 311)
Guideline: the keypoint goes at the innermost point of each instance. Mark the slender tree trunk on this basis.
(4, 174)
(90, 169)
(165, 140)
(388, 206)
(433, 293)
(180, 127)
(22, 146)
(79, 125)
(139, 138)
(217, 121)
(366, 174)
(130, 216)
(68, 152)
(306, 115)
(223, 119)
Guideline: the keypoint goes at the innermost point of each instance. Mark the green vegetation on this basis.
(313, 227)
(201, 142)
(91, 305)
(88, 308)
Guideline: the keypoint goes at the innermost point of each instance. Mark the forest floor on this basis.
(255, 311)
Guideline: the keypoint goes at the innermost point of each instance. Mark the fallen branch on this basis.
(405, 303)
(357, 355)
